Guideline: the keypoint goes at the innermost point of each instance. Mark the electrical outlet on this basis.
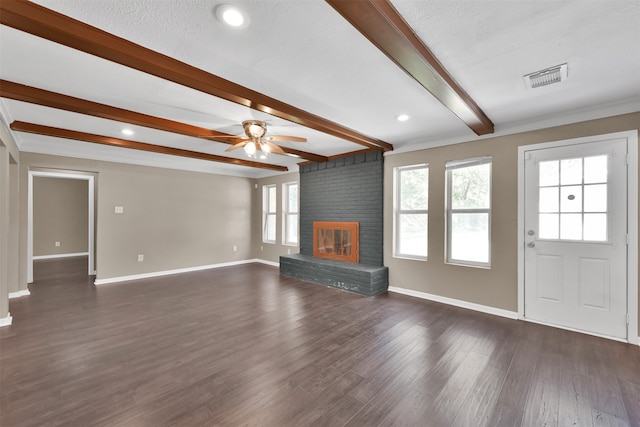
(119, 209)
(288, 251)
(262, 248)
(140, 258)
(235, 248)
(57, 244)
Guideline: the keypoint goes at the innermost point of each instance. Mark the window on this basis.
(572, 199)
(290, 217)
(411, 211)
(269, 214)
(469, 211)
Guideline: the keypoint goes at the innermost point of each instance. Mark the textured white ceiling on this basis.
(305, 54)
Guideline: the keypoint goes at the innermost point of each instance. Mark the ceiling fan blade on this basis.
(227, 137)
(274, 148)
(236, 146)
(285, 138)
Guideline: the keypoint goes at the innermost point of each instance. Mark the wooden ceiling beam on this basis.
(30, 94)
(142, 146)
(48, 24)
(381, 23)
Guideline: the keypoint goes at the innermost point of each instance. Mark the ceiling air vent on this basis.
(546, 77)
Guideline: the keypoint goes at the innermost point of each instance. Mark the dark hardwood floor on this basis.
(243, 346)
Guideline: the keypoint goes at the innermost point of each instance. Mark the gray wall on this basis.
(176, 219)
(498, 286)
(60, 214)
(344, 189)
(9, 159)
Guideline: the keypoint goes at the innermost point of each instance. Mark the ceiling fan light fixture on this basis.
(256, 130)
(265, 149)
(250, 148)
(232, 16)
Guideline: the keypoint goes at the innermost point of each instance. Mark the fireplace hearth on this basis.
(335, 261)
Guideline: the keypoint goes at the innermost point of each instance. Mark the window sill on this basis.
(463, 264)
(410, 258)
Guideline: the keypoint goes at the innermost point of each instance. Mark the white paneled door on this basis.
(576, 237)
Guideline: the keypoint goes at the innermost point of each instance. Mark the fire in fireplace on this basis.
(336, 240)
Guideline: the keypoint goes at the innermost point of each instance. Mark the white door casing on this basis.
(91, 220)
(573, 225)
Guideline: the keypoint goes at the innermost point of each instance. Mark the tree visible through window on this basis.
(411, 211)
(469, 211)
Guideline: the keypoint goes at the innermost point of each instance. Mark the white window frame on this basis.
(287, 214)
(266, 213)
(459, 164)
(398, 212)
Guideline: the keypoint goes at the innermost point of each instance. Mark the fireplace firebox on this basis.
(336, 240)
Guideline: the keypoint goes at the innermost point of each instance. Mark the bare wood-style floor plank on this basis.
(244, 346)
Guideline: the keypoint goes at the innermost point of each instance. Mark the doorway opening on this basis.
(91, 213)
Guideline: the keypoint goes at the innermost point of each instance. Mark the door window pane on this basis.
(571, 198)
(595, 227)
(549, 226)
(595, 169)
(571, 171)
(549, 173)
(571, 226)
(549, 199)
(595, 198)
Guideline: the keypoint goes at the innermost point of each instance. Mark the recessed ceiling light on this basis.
(402, 117)
(232, 16)
(127, 132)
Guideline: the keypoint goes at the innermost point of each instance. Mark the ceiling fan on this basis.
(257, 144)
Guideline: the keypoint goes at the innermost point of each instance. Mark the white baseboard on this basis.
(456, 302)
(60, 255)
(19, 294)
(6, 321)
(264, 261)
(99, 282)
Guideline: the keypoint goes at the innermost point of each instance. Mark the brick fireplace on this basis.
(344, 190)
